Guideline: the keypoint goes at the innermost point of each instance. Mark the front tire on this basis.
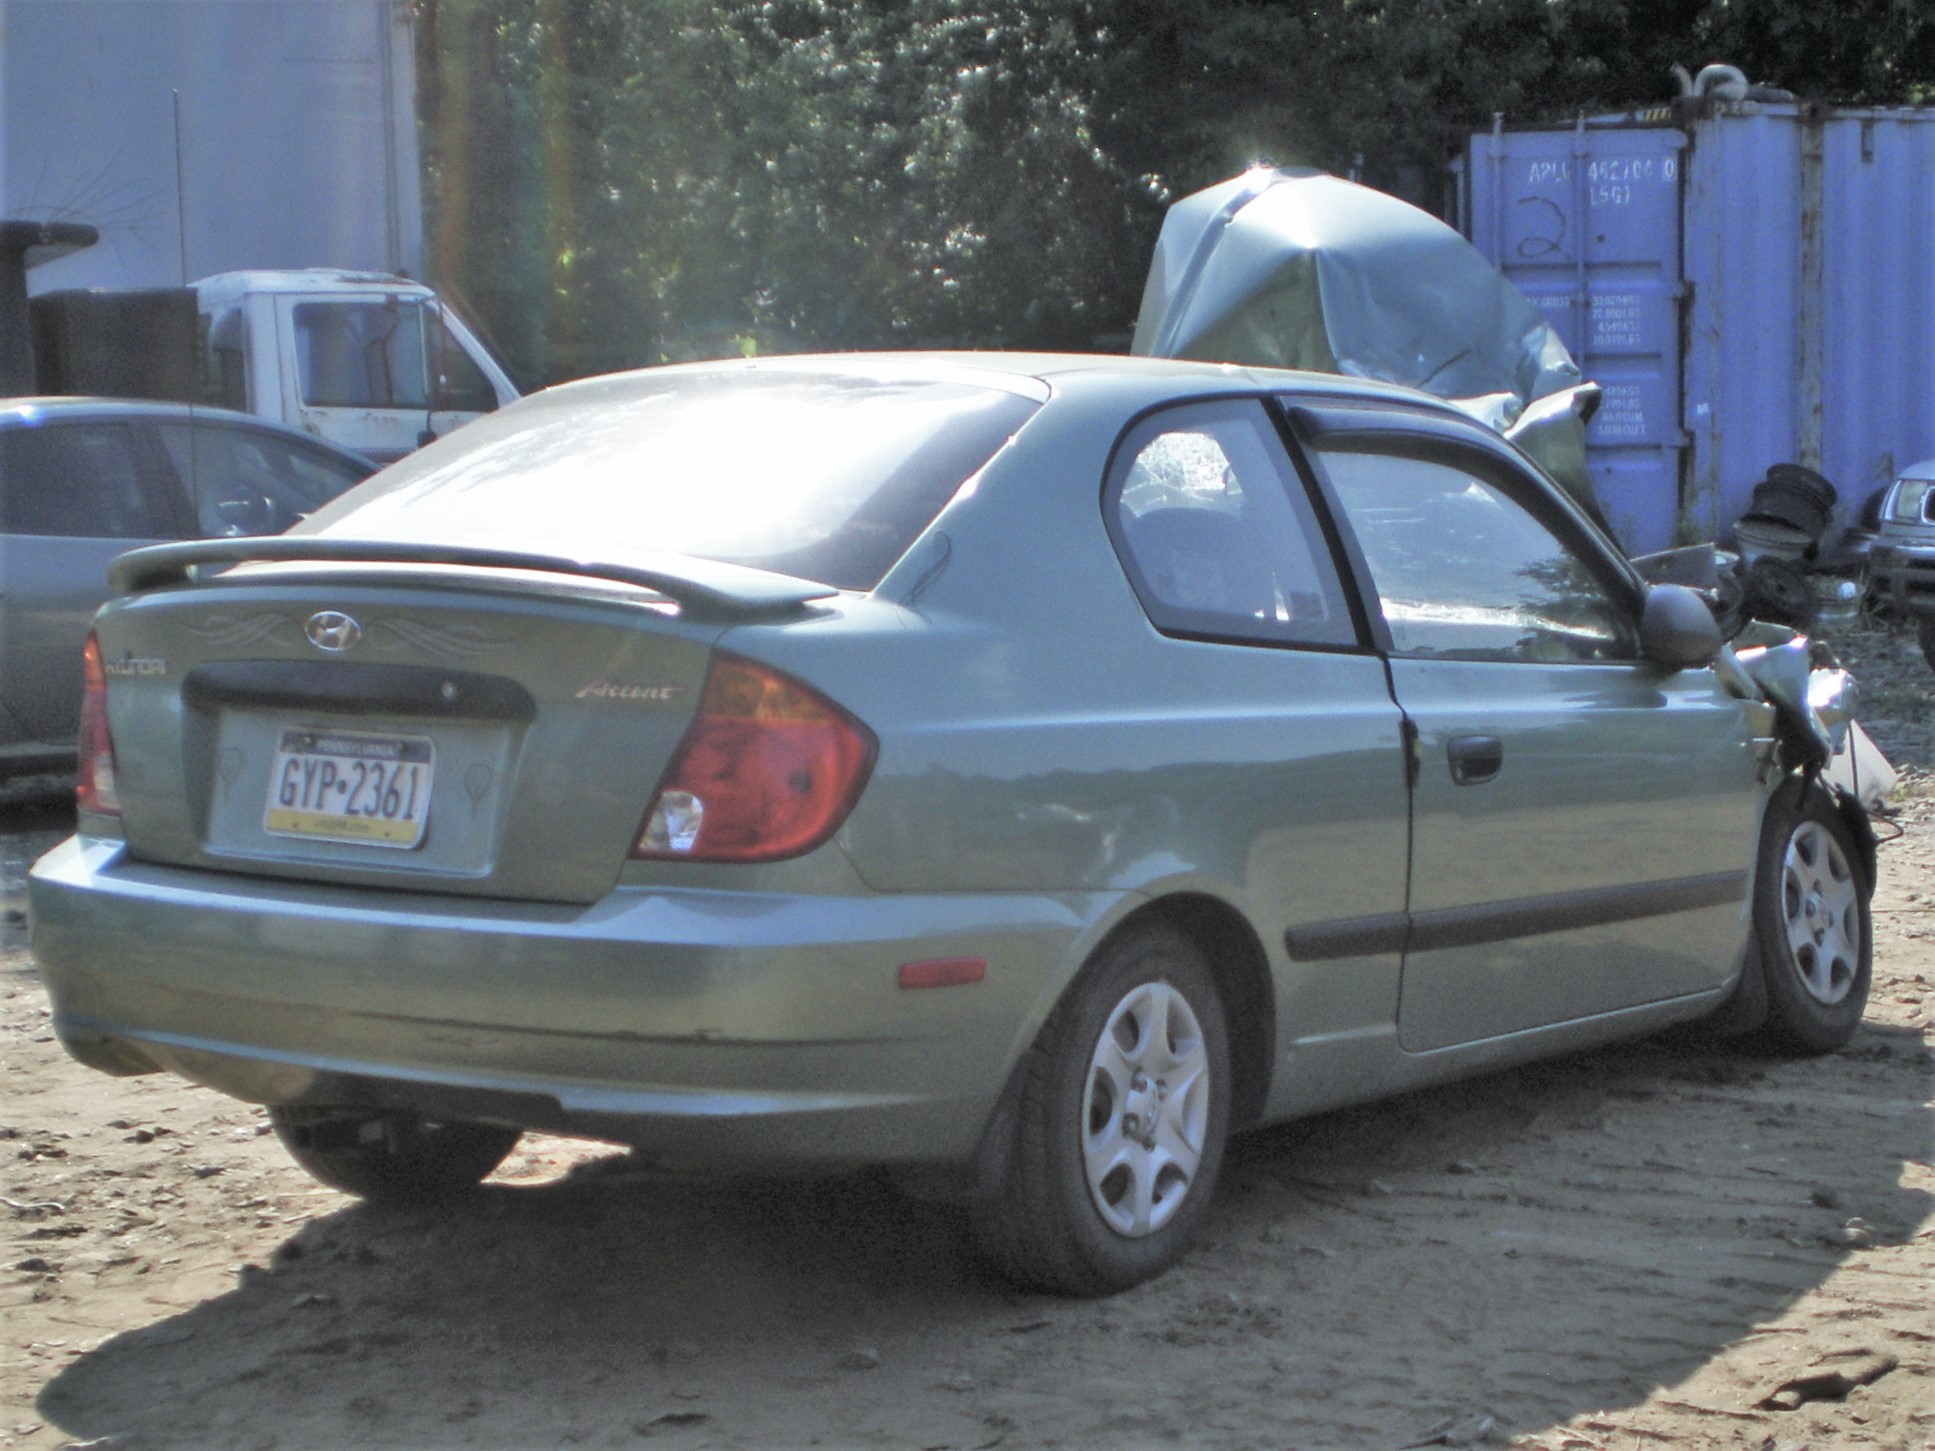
(1812, 921)
(1124, 1112)
(391, 1158)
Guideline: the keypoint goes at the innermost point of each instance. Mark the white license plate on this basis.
(348, 786)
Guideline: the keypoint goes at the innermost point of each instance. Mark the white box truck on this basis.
(262, 159)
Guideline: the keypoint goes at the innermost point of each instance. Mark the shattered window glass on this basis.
(1218, 534)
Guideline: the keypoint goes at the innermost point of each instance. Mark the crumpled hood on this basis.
(1301, 269)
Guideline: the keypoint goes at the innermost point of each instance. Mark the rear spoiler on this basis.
(698, 586)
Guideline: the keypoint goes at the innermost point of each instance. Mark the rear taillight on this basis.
(768, 769)
(95, 791)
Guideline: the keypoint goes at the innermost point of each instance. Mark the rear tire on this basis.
(391, 1158)
(1812, 923)
(1779, 593)
(1124, 1111)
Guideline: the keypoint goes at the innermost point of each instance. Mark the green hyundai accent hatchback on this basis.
(1017, 772)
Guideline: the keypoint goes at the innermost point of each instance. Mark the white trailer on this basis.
(205, 136)
(259, 154)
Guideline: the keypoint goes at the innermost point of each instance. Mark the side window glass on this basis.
(461, 384)
(80, 481)
(361, 355)
(1464, 571)
(245, 482)
(1217, 533)
(304, 479)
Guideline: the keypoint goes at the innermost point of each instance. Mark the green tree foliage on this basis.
(615, 182)
(1850, 52)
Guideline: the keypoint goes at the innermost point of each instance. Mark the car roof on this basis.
(225, 286)
(28, 411)
(1031, 374)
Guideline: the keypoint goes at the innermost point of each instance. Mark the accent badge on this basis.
(613, 690)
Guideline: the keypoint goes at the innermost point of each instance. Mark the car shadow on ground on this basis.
(1538, 1244)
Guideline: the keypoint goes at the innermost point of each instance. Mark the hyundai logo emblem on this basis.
(332, 630)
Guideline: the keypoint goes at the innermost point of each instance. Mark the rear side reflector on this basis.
(94, 789)
(943, 972)
(769, 768)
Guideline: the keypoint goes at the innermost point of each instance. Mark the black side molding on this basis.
(1501, 921)
(1348, 937)
(1567, 911)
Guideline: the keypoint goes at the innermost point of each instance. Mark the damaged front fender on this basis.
(1811, 701)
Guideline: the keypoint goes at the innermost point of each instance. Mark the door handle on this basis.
(1474, 759)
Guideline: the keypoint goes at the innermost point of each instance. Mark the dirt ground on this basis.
(1659, 1244)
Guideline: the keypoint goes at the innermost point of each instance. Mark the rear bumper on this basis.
(720, 1027)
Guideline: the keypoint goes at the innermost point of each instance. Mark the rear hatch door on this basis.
(465, 729)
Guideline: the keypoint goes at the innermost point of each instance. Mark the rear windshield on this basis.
(808, 473)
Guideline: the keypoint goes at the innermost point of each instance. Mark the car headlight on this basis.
(1906, 501)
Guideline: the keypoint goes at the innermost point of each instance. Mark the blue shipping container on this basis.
(1751, 283)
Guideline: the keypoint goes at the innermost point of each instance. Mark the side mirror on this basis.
(1677, 630)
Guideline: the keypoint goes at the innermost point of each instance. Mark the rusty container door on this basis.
(1812, 327)
(1752, 283)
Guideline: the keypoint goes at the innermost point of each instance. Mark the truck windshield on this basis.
(361, 353)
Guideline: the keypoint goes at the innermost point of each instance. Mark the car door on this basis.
(1298, 773)
(1582, 819)
(73, 495)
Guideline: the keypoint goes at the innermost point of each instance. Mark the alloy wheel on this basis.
(1821, 906)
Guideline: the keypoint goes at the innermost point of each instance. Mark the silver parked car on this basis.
(1021, 772)
(1901, 563)
(85, 479)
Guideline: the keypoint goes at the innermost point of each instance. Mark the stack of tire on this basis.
(1780, 533)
